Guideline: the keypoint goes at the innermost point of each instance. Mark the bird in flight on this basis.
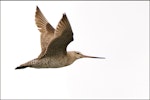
(53, 44)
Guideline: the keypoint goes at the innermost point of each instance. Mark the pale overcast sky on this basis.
(116, 30)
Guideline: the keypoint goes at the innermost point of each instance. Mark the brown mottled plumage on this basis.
(53, 44)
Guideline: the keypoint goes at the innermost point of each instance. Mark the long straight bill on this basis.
(93, 57)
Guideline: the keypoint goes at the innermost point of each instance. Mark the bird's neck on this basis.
(71, 58)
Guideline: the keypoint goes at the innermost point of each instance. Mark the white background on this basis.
(116, 30)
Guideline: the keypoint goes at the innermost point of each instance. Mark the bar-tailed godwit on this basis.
(53, 44)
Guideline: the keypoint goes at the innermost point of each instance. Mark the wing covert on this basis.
(63, 35)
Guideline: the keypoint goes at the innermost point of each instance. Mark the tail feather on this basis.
(21, 67)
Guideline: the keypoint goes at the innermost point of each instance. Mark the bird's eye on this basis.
(78, 53)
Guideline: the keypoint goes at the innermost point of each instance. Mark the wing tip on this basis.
(37, 7)
(38, 11)
(64, 15)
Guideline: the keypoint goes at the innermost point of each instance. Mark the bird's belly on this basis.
(50, 63)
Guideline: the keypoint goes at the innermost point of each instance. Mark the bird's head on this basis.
(78, 55)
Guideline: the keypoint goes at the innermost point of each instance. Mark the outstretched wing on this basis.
(47, 31)
(63, 35)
